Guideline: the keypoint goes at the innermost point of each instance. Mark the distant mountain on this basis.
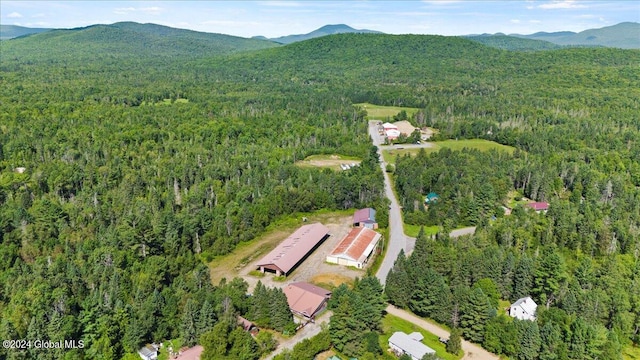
(624, 35)
(14, 31)
(323, 31)
(502, 41)
(128, 39)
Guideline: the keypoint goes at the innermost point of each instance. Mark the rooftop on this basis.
(364, 215)
(357, 245)
(410, 344)
(295, 247)
(305, 298)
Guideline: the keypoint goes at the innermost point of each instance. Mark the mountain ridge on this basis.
(325, 30)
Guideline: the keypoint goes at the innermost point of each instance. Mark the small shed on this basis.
(431, 198)
(365, 218)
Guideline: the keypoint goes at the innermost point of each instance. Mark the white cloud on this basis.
(514, 21)
(535, 22)
(14, 15)
(153, 10)
(562, 4)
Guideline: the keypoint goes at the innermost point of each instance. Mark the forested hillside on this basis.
(121, 176)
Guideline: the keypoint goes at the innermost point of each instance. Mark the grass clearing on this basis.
(413, 230)
(391, 324)
(332, 161)
(379, 112)
(331, 281)
(229, 266)
(480, 144)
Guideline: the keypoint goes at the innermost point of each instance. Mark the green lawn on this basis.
(480, 144)
(391, 324)
(378, 112)
(413, 230)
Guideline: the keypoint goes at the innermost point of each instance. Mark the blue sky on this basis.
(278, 18)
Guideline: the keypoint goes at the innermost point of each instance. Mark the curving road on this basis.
(397, 239)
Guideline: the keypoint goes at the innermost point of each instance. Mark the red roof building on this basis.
(294, 249)
(539, 206)
(365, 218)
(356, 248)
(305, 299)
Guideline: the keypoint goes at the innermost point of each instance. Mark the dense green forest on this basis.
(122, 172)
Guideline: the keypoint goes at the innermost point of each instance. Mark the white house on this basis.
(149, 352)
(401, 343)
(523, 309)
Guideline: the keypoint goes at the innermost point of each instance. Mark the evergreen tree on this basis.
(206, 318)
(281, 316)
(398, 283)
(548, 276)
(528, 335)
(189, 329)
(474, 315)
(454, 344)
(523, 279)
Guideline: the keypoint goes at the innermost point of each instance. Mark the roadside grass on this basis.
(413, 230)
(378, 112)
(374, 266)
(391, 324)
(389, 156)
(630, 352)
(332, 161)
(229, 265)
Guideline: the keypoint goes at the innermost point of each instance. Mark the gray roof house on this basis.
(523, 309)
(148, 352)
(401, 343)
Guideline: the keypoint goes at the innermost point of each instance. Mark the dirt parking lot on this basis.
(313, 268)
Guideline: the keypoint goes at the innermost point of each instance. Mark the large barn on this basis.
(294, 249)
(356, 248)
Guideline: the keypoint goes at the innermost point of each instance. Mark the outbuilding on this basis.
(365, 218)
(401, 343)
(356, 248)
(294, 249)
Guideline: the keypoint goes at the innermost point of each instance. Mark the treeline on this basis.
(586, 307)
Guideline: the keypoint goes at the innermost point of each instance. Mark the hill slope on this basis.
(323, 31)
(624, 35)
(506, 42)
(128, 40)
(14, 31)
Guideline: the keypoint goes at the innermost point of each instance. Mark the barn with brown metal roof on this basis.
(305, 299)
(356, 248)
(294, 249)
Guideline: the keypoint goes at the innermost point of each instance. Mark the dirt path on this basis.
(307, 332)
(471, 350)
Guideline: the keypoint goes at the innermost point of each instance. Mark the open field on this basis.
(329, 161)
(480, 144)
(413, 230)
(391, 324)
(378, 112)
(331, 280)
(230, 265)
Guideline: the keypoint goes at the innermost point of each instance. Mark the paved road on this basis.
(397, 239)
(471, 350)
